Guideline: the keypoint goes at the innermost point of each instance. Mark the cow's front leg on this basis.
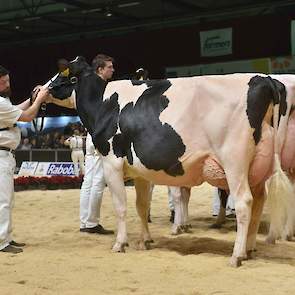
(143, 199)
(113, 172)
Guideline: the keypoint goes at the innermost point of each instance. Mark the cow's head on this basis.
(62, 85)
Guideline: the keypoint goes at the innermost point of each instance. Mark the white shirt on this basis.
(9, 115)
(76, 142)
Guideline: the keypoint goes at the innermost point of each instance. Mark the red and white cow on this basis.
(184, 131)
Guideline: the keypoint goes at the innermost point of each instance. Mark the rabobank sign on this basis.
(216, 42)
(63, 169)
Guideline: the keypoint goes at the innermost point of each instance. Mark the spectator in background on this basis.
(34, 143)
(25, 146)
(46, 141)
(76, 144)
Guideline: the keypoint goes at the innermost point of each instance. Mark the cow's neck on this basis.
(99, 116)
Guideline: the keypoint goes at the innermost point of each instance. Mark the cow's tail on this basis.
(280, 197)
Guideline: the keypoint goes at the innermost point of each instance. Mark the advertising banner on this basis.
(28, 168)
(216, 42)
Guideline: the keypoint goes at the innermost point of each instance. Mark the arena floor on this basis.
(59, 259)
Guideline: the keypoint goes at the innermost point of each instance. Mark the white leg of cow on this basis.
(143, 205)
(113, 173)
(175, 191)
(185, 195)
(257, 208)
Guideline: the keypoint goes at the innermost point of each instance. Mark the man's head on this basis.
(76, 132)
(103, 66)
(5, 90)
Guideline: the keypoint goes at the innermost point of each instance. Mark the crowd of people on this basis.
(51, 139)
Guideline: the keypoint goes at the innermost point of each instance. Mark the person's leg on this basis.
(7, 166)
(96, 192)
(86, 189)
(216, 202)
(94, 201)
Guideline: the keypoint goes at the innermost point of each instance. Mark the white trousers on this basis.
(78, 158)
(170, 197)
(7, 166)
(230, 205)
(91, 191)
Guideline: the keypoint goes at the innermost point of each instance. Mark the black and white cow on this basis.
(184, 131)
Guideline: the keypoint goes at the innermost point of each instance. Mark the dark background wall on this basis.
(253, 37)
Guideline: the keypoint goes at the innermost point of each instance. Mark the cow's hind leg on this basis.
(257, 208)
(143, 205)
(113, 172)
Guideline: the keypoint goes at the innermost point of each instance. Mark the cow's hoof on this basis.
(251, 254)
(144, 245)
(120, 247)
(270, 240)
(235, 261)
(215, 226)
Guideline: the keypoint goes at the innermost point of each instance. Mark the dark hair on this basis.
(100, 60)
(3, 71)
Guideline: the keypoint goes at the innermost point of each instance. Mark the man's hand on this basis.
(35, 92)
(42, 94)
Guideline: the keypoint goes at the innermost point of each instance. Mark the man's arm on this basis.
(31, 112)
(25, 104)
(67, 103)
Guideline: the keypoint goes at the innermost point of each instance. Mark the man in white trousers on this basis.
(230, 204)
(76, 145)
(93, 183)
(92, 191)
(10, 136)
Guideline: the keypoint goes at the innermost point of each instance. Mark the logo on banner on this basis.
(28, 168)
(66, 169)
(216, 42)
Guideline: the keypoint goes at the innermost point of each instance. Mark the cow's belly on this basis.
(288, 151)
(207, 168)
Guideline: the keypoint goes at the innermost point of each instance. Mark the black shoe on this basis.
(97, 230)
(11, 249)
(15, 244)
(172, 216)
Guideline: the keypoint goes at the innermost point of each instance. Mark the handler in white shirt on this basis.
(10, 136)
